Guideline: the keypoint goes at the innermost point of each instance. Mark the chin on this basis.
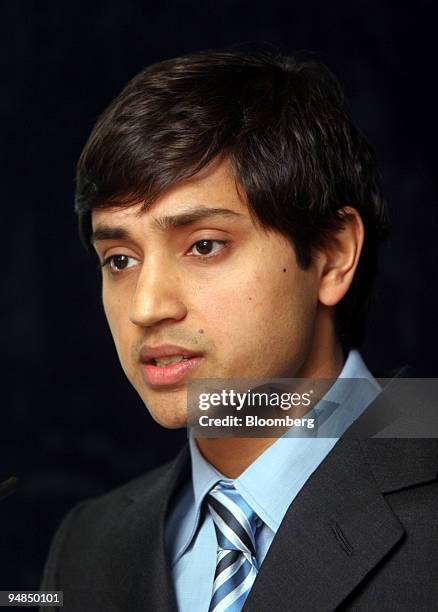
(174, 421)
(168, 414)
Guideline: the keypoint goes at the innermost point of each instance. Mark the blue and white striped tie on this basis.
(236, 566)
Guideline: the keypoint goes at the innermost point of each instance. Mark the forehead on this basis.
(214, 188)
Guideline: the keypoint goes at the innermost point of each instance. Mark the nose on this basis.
(157, 296)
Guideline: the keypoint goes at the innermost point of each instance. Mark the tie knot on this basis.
(234, 520)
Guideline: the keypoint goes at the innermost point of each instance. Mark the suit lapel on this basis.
(336, 530)
(136, 551)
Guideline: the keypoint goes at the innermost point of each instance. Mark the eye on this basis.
(207, 248)
(117, 263)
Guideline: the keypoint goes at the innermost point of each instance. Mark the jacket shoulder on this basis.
(95, 523)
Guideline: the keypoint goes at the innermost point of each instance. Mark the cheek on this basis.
(262, 312)
(111, 308)
(116, 312)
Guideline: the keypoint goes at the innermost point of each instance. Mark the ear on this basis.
(340, 257)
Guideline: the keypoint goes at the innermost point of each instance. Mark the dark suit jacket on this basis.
(361, 535)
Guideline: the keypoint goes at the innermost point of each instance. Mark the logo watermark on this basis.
(389, 408)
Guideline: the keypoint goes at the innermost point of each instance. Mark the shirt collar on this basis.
(204, 477)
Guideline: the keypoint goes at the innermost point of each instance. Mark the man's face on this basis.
(213, 284)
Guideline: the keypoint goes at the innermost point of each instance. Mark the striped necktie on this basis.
(236, 566)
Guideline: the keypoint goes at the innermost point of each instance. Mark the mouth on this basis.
(168, 365)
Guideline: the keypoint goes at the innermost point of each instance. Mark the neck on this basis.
(231, 456)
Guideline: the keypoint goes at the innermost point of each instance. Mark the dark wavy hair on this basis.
(283, 124)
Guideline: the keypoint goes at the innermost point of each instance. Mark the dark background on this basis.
(71, 425)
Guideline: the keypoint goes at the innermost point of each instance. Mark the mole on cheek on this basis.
(201, 331)
(250, 298)
(284, 269)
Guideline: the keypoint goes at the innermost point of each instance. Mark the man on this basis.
(236, 214)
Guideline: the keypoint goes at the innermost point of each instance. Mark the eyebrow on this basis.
(106, 232)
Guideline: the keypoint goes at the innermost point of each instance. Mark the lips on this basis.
(168, 364)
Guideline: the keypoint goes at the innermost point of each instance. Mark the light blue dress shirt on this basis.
(269, 485)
